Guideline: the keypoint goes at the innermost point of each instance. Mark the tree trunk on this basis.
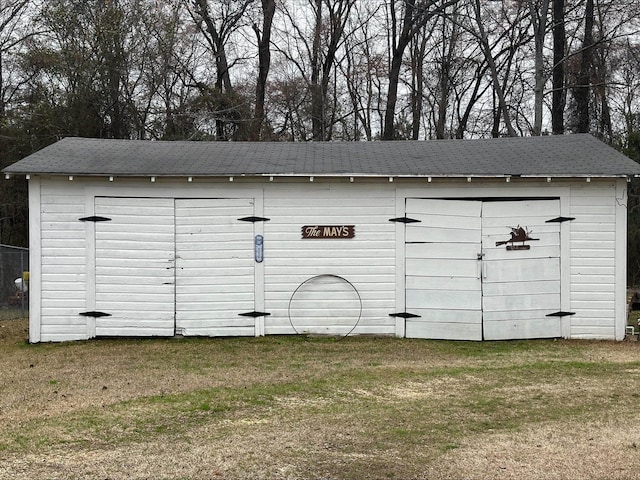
(413, 20)
(444, 82)
(584, 78)
(558, 95)
(497, 87)
(539, 21)
(2, 105)
(317, 95)
(394, 72)
(264, 63)
(417, 92)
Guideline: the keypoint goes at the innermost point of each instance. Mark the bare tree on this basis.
(445, 70)
(582, 89)
(217, 26)
(319, 35)
(415, 14)
(263, 36)
(13, 31)
(323, 59)
(538, 12)
(418, 49)
(495, 78)
(363, 68)
(558, 84)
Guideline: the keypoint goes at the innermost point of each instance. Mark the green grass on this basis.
(13, 313)
(343, 400)
(477, 398)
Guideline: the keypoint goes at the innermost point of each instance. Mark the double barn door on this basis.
(165, 266)
(482, 269)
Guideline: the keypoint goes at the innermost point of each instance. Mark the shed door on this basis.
(521, 280)
(443, 284)
(214, 267)
(467, 280)
(134, 266)
(167, 266)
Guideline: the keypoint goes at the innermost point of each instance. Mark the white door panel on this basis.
(461, 299)
(521, 285)
(165, 264)
(443, 283)
(455, 208)
(519, 303)
(512, 329)
(134, 267)
(521, 269)
(464, 279)
(443, 267)
(442, 250)
(462, 325)
(419, 233)
(521, 209)
(521, 288)
(443, 273)
(214, 267)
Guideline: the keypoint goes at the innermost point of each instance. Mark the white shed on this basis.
(459, 239)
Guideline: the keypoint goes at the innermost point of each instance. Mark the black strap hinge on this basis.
(404, 220)
(254, 314)
(404, 315)
(94, 218)
(560, 219)
(254, 219)
(95, 314)
(560, 314)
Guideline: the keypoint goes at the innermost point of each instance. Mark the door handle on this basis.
(480, 262)
(482, 267)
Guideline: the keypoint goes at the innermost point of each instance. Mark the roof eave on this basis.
(9, 173)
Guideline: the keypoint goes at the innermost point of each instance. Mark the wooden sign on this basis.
(328, 231)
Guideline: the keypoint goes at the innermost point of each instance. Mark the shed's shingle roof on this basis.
(570, 155)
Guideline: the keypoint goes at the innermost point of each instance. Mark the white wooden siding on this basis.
(463, 285)
(593, 245)
(521, 287)
(135, 259)
(443, 270)
(325, 305)
(214, 267)
(593, 260)
(63, 258)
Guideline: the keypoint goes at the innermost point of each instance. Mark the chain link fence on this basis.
(14, 282)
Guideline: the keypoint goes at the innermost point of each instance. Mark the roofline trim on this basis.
(324, 175)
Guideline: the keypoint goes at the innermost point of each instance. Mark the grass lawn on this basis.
(317, 408)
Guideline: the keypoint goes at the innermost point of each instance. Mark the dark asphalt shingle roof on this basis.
(569, 155)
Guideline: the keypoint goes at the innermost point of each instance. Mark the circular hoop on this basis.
(326, 275)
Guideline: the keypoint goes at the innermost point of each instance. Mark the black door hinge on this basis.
(254, 219)
(405, 315)
(95, 314)
(254, 314)
(560, 314)
(560, 220)
(404, 220)
(94, 218)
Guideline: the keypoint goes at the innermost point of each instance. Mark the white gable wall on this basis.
(593, 246)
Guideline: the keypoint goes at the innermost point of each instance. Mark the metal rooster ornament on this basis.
(518, 234)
